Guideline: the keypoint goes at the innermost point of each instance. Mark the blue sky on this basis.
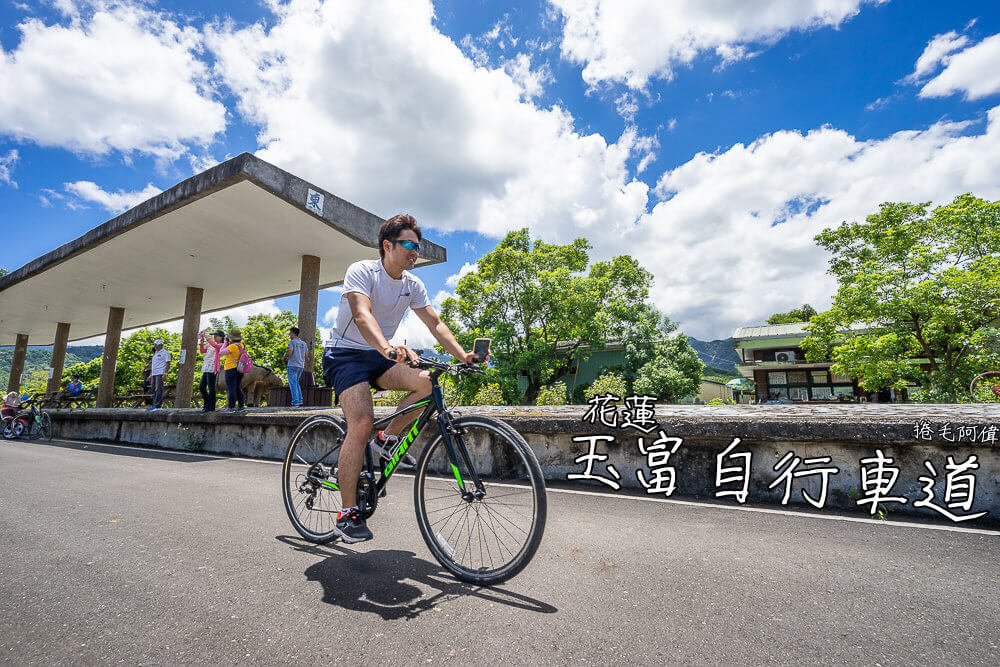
(712, 146)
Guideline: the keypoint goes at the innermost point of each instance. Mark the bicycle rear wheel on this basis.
(309, 482)
(487, 539)
(41, 428)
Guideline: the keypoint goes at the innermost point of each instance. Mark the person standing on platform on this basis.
(296, 357)
(159, 366)
(210, 347)
(234, 378)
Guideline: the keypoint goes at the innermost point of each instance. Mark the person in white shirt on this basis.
(209, 367)
(159, 367)
(377, 294)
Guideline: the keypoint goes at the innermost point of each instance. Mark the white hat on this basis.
(158, 341)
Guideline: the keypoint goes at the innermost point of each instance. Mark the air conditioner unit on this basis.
(785, 355)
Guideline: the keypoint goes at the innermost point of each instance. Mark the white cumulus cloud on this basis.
(123, 79)
(452, 280)
(371, 101)
(7, 166)
(974, 71)
(935, 52)
(115, 202)
(632, 41)
(733, 241)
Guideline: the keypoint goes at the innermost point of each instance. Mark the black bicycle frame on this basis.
(433, 405)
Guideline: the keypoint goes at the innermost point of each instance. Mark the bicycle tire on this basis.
(45, 424)
(13, 429)
(311, 440)
(989, 378)
(511, 466)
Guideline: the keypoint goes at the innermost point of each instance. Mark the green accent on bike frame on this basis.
(458, 476)
(403, 446)
(331, 485)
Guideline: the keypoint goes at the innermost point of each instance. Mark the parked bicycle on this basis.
(478, 490)
(985, 387)
(30, 421)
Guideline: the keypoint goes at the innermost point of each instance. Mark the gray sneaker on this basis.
(352, 528)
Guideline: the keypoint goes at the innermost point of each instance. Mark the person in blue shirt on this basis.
(75, 386)
(296, 357)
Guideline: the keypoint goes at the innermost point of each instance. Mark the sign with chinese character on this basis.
(314, 202)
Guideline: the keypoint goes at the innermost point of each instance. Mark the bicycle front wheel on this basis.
(481, 538)
(309, 481)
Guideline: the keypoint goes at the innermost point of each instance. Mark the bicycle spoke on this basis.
(489, 538)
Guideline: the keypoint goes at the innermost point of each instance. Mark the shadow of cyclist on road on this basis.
(382, 582)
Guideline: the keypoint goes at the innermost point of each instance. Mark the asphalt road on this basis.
(120, 555)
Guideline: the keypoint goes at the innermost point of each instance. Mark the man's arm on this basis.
(288, 351)
(361, 311)
(443, 334)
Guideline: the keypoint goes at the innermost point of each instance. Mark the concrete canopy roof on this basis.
(238, 231)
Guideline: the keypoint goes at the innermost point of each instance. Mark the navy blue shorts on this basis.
(345, 367)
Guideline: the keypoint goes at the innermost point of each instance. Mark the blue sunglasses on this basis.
(409, 245)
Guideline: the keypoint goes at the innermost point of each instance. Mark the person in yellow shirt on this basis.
(232, 352)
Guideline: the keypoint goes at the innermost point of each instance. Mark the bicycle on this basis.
(31, 420)
(985, 387)
(476, 479)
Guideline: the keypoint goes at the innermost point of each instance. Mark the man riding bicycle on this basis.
(358, 355)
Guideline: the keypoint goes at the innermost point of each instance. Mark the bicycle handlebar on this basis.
(424, 362)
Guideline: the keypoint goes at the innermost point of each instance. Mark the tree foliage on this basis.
(914, 284)
(673, 372)
(554, 394)
(266, 339)
(264, 336)
(607, 383)
(543, 307)
(802, 314)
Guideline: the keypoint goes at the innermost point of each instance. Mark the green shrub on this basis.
(554, 394)
(607, 383)
(488, 394)
(717, 401)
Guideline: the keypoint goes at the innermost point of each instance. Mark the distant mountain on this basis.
(716, 353)
(39, 358)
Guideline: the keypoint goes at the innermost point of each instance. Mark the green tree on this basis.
(3, 272)
(913, 284)
(265, 338)
(803, 314)
(89, 373)
(543, 308)
(673, 372)
(659, 361)
(135, 352)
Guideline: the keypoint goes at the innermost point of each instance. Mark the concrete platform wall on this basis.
(559, 437)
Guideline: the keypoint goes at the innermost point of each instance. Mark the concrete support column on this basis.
(189, 347)
(308, 298)
(58, 356)
(112, 339)
(17, 363)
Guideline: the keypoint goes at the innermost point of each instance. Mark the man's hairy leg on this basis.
(405, 378)
(356, 402)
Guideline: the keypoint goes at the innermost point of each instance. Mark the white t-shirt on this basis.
(160, 359)
(389, 297)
